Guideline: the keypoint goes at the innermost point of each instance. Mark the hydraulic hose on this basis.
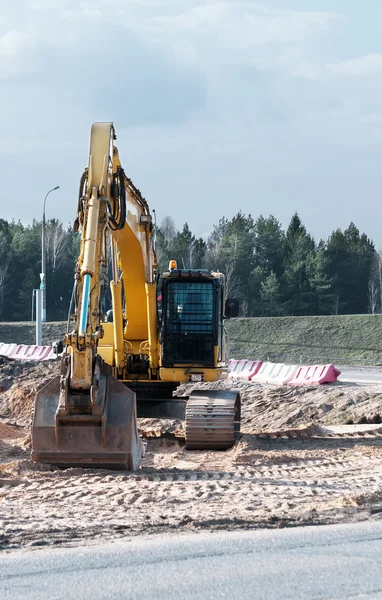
(117, 213)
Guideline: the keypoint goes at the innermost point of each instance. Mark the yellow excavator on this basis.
(127, 361)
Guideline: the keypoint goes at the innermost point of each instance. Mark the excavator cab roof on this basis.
(191, 274)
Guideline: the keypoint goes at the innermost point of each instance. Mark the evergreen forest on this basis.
(272, 271)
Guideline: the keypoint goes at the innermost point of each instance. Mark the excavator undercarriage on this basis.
(86, 430)
(211, 417)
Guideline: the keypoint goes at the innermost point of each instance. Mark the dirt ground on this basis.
(307, 456)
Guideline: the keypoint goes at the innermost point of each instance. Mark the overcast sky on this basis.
(266, 106)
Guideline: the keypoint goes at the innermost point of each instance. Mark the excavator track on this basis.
(212, 419)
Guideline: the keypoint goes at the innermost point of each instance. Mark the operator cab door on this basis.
(189, 321)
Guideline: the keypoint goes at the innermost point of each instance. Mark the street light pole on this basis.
(155, 229)
(43, 265)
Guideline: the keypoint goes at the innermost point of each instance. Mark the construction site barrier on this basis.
(7, 349)
(243, 369)
(281, 374)
(315, 375)
(24, 352)
(276, 373)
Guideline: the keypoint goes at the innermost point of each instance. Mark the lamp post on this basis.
(155, 229)
(42, 274)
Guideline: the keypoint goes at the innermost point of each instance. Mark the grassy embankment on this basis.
(24, 332)
(355, 339)
(344, 339)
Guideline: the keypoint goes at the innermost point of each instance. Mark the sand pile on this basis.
(19, 381)
(288, 469)
(267, 407)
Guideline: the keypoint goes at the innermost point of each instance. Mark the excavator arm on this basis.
(92, 263)
(112, 213)
(86, 416)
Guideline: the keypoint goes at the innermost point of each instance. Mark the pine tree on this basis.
(299, 252)
(295, 231)
(350, 257)
(187, 250)
(270, 294)
(320, 283)
(230, 246)
(269, 245)
(6, 256)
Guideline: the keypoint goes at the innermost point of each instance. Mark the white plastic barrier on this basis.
(243, 369)
(24, 352)
(7, 349)
(315, 375)
(276, 373)
(286, 374)
(281, 374)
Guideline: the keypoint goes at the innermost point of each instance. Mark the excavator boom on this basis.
(86, 416)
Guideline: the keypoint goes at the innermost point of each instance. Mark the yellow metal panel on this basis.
(151, 290)
(107, 353)
(216, 356)
(100, 145)
(116, 296)
(183, 374)
(108, 335)
(134, 279)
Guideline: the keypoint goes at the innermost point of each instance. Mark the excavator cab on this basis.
(194, 348)
(192, 324)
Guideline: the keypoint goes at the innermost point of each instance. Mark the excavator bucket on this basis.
(108, 439)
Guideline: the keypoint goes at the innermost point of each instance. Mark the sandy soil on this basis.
(307, 456)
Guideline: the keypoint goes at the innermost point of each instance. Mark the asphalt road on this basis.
(331, 562)
(361, 374)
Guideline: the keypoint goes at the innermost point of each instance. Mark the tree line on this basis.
(272, 271)
(20, 268)
(277, 272)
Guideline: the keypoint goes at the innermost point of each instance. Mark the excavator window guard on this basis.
(190, 308)
(189, 323)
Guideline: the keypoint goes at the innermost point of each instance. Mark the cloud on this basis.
(80, 56)
(13, 46)
(242, 98)
(363, 65)
(208, 36)
(289, 60)
(221, 35)
(372, 119)
(246, 24)
(13, 42)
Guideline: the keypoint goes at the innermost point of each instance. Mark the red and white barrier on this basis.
(24, 352)
(243, 369)
(315, 375)
(281, 374)
(276, 373)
